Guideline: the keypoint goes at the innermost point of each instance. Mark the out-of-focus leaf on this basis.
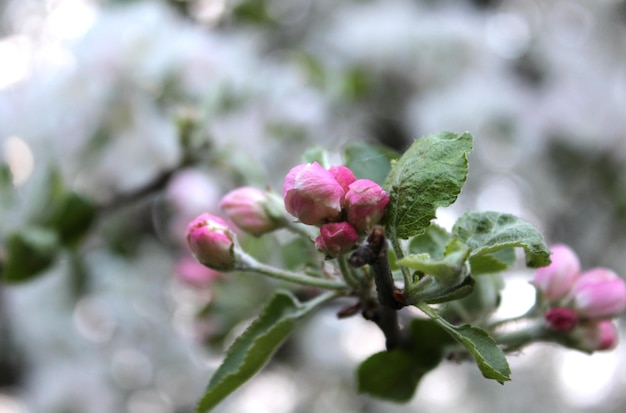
(29, 252)
(394, 375)
(369, 161)
(71, 218)
(432, 242)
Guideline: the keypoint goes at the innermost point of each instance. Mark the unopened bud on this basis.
(312, 194)
(343, 175)
(555, 280)
(212, 242)
(599, 293)
(336, 238)
(253, 210)
(594, 336)
(192, 272)
(365, 202)
(561, 319)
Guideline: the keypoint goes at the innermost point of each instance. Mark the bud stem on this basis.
(246, 262)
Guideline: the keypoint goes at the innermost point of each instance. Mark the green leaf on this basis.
(316, 154)
(72, 217)
(251, 351)
(369, 161)
(476, 307)
(449, 269)
(495, 262)
(29, 253)
(488, 232)
(432, 242)
(429, 175)
(489, 357)
(390, 375)
(394, 375)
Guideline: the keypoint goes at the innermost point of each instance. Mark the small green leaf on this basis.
(488, 232)
(476, 307)
(489, 357)
(429, 175)
(495, 262)
(29, 253)
(449, 269)
(251, 351)
(394, 375)
(433, 242)
(369, 161)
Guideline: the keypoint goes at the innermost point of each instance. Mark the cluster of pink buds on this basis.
(333, 199)
(580, 304)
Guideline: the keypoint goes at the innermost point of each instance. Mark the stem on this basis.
(397, 249)
(321, 299)
(374, 253)
(515, 340)
(300, 229)
(347, 272)
(248, 263)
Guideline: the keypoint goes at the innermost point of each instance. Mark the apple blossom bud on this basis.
(192, 272)
(366, 203)
(312, 194)
(253, 210)
(343, 175)
(593, 336)
(599, 293)
(555, 280)
(561, 319)
(212, 242)
(336, 238)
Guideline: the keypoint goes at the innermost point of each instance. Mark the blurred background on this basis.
(120, 121)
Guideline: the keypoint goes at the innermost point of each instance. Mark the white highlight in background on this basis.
(19, 157)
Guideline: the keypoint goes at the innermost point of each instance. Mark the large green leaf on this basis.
(394, 375)
(251, 351)
(487, 232)
(29, 253)
(369, 161)
(430, 174)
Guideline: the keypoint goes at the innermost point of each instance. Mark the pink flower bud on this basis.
(366, 203)
(336, 238)
(252, 210)
(212, 242)
(561, 319)
(312, 194)
(599, 293)
(343, 175)
(593, 336)
(555, 280)
(192, 272)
